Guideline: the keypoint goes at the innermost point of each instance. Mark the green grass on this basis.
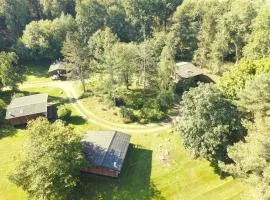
(145, 175)
(36, 72)
(10, 146)
(157, 167)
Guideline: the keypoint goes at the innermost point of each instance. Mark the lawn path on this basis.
(91, 117)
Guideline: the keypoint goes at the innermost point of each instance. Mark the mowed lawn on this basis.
(157, 167)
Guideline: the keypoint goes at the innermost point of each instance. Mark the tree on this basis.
(2, 110)
(251, 159)
(16, 16)
(43, 39)
(54, 8)
(235, 80)
(208, 122)
(51, 161)
(90, 17)
(255, 97)
(10, 73)
(259, 41)
(146, 64)
(186, 26)
(100, 44)
(166, 65)
(63, 112)
(76, 54)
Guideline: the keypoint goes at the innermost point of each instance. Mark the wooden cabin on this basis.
(23, 109)
(105, 152)
(57, 71)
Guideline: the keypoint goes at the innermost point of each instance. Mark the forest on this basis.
(125, 51)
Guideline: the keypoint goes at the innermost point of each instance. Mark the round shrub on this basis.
(63, 112)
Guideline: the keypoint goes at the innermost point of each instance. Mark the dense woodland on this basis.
(126, 50)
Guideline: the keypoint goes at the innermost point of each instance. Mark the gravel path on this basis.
(91, 117)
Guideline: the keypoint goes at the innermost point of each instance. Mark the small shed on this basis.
(23, 109)
(58, 69)
(186, 70)
(105, 152)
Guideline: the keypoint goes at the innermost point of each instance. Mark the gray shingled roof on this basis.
(28, 105)
(187, 70)
(57, 66)
(106, 148)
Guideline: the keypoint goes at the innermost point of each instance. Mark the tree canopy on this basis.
(208, 122)
(52, 161)
(10, 72)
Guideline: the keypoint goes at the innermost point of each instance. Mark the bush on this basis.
(63, 112)
(17, 95)
(128, 114)
(2, 110)
(152, 114)
(165, 100)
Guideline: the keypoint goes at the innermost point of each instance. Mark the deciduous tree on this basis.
(51, 161)
(208, 122)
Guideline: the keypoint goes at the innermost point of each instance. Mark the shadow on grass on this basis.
(134, 181)
(77, 120)
(38, 68)
(7, 131)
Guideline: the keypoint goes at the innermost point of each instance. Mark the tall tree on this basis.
(255, 97)
(54, 8)
(251, 159)
(43, 39)
(51, 161)
(90, 17)
(259, 42)
(208, 122)
(10, 73)
(100, 44)
(16, 16)
(76, 53)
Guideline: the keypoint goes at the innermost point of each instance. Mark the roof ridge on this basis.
(109, 147)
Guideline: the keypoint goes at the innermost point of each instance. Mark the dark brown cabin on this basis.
(23, 109)
(58, 71)
(105, 152)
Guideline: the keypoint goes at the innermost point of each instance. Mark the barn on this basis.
(105, 152)
(23, 109)
(58, 71)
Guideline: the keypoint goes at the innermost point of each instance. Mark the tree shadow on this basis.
(37, 68)
(76, 120)
(133, 183)
(7, 131)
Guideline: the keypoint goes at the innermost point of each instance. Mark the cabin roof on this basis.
(28, 105)
(187, 70)
(57, 66)
(106, 148)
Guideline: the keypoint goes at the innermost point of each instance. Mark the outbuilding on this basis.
(23, 109)
(105, 152)
(186, 70)
(57, 71)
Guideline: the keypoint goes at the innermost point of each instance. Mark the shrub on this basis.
(152, 114)
(63, 112)
(2, 110)
(127, 114)
(165, 99)
(17, 95)
(185, 85)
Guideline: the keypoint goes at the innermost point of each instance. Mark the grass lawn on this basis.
(36, 72)
(157, 167)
